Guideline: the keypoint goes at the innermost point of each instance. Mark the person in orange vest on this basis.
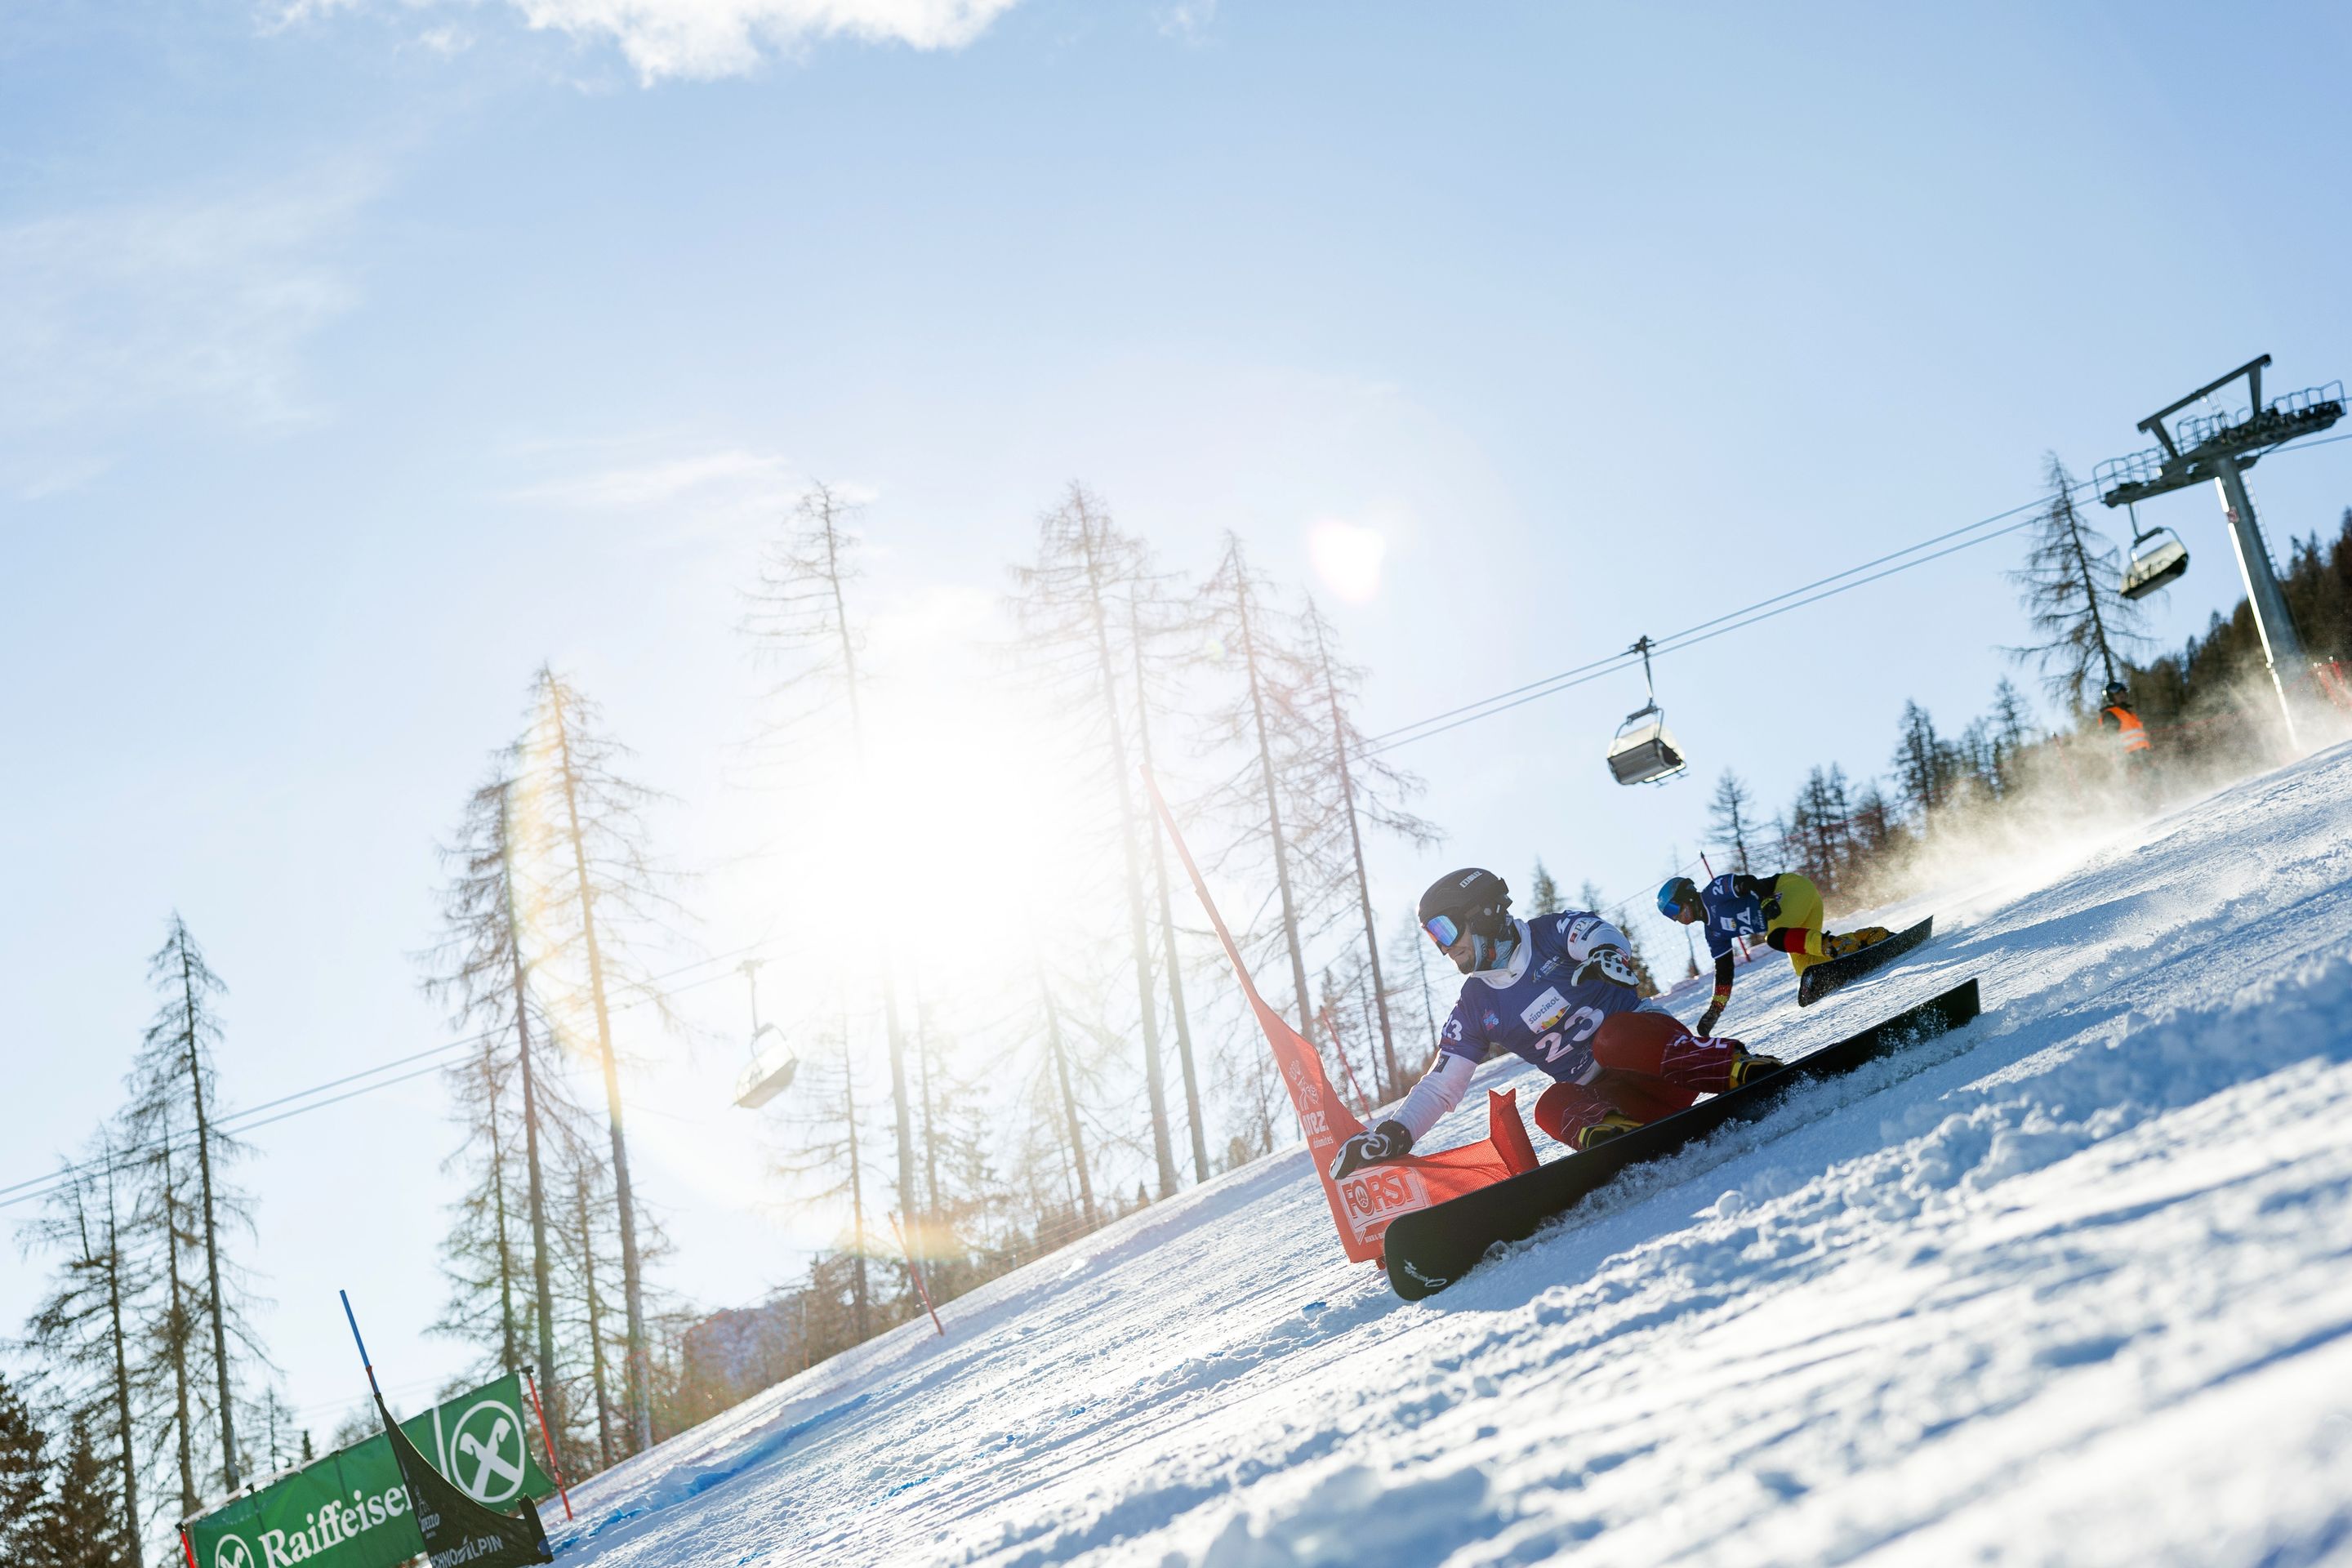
(2115, 713)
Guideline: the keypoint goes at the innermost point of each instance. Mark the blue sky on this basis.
(358, 355)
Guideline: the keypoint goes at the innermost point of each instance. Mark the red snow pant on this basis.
(1650, 1066)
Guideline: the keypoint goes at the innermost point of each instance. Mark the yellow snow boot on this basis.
(1613, 1125)
(1855, 941)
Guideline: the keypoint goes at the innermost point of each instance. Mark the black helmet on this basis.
(2116, 692)
(1474, 899)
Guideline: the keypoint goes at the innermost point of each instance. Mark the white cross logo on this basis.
(496, 1476)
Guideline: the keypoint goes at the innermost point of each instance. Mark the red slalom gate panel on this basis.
(1367, 1203)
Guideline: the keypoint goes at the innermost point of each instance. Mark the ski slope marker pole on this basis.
(187, 1548)
(917, 1275)
(354, 1322)
(548, 1442)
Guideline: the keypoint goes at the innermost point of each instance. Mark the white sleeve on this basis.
(1585, 934)
(1440, 1090)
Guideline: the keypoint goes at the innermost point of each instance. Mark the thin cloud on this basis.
(1187, 19)
(706, 39)
(646, 485)
(119, 311)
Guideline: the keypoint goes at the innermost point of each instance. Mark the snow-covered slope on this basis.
(2072, 1285)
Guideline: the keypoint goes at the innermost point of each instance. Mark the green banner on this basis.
(350, 1509)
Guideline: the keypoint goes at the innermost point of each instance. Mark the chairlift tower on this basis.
(2221, 446)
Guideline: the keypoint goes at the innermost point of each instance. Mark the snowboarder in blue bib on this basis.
(1783, 911)
(1558, 991)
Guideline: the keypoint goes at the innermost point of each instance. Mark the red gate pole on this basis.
(1340, 1050)
(187, 1548)
(548, 1442)
(917, 1275)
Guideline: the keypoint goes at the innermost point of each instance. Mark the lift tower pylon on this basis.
(2221, 447)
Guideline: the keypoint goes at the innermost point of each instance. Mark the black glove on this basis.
(1772, 908)
(1608, 963)
(1386, 1141)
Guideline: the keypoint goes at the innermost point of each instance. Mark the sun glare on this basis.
(1347, 557)
(955, 837)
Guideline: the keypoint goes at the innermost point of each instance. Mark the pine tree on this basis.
(799, 621)
(1874, 829)
(1731, 818)
(1976, 758)
(1066, 602)
(80, 1326)
(1543, 892)
(23, 1479)
(2009, 731)
(84, 1523)
(1923, 762)
(2073, 584)
(598, 880)
(1818, 828)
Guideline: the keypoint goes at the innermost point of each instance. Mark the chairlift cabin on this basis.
(2158, 556)
(1644, 751)
(770, 1073)
(771, 1069)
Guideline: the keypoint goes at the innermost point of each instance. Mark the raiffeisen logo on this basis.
(487, 1455)
(322, 1530)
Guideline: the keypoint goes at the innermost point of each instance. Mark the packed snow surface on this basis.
(2071, 1284)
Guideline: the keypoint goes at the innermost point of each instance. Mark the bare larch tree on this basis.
(479, 972)
(1347, 781)
(1142, 634)
(1263, 718)
(589, 852)
(825, 1160)
(798, 621)
(175, 1100)
(1065, 604)
(1732, 816)
(2073, 590)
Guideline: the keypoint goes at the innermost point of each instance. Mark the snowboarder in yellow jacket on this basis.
(1783, 911)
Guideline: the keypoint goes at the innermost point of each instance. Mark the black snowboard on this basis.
(1430, 1248)
(1823, 978)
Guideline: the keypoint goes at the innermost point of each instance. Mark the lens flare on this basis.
(1347, 557)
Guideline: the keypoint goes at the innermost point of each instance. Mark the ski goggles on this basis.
(1442, 929)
